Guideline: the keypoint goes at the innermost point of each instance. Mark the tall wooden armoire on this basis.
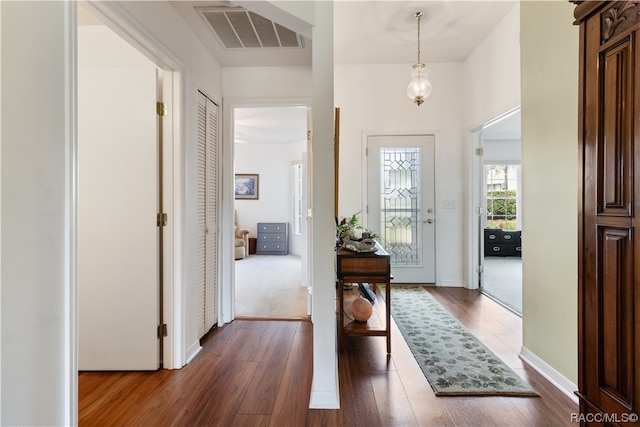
(609, 234)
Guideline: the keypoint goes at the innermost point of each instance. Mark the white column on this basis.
(324, 392)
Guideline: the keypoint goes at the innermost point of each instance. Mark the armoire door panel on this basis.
(616, 291)
(609, 145)
(615, 151)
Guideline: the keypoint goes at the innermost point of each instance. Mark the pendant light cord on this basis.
(418, 17)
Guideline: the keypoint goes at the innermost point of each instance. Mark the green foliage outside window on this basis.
(501, 209)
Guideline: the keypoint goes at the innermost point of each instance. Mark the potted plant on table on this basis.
(352, 235)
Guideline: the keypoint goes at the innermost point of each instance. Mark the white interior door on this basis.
(401, 203)
(117, 205)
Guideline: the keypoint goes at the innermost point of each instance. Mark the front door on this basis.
(401, 203)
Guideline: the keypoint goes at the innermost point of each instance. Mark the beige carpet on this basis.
(269, 286)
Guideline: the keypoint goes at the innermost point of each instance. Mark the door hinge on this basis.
(161, 219)
(308, 135)
(479, 210)
(479, 151)
(162, 330)
(161, 108)
(480, 269)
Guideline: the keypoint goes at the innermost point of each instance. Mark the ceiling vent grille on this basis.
(238, 28)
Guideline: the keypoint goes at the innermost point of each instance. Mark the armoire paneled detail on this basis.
(207, 178)
(616, 296)
(609, 146)
(617, 127)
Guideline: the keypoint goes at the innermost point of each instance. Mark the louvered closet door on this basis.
(211, 240)
(207, 213)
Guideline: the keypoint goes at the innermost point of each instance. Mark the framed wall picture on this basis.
(246, 186)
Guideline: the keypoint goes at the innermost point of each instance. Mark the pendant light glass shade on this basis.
(419, 88)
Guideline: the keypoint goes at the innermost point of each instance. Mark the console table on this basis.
(373, 268)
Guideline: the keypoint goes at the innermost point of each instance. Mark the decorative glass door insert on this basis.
(400, 202)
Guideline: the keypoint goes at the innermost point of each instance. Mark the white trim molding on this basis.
(325, 399)
(561, 382)
(71, 213)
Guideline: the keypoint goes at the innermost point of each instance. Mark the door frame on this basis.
(174, 89)
(365, 181)
(474, 247)
(226, 296)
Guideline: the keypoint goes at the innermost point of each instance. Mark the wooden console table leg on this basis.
(340, 316)
(387, 290)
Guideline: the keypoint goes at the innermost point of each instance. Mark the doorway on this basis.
(126, 178)
(401, 202)
(270, 147)
(498, 183)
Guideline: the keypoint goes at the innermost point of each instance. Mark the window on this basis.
(502, 196)
(297, 198)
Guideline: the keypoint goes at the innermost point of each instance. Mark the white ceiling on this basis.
(365, 32)
(385, 32)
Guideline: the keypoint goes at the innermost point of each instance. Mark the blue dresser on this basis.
(273, 238)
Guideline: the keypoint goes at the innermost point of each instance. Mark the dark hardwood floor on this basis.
(258, 373)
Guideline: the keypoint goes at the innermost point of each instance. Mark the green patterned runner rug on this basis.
(454, 362)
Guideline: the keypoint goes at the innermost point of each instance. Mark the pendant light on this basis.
(419, 88)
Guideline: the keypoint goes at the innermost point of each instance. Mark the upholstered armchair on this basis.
(241, 239)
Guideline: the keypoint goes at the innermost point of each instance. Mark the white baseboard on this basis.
(193, 351)
(450, 283)
(561, 382)
(325, 399)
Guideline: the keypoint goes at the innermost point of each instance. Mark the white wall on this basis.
(373, 100)
(38, 136)
(254, 83)
(273, 163)
(550, 184)
(492, 73)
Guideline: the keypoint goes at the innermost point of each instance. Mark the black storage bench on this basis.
(498, 242)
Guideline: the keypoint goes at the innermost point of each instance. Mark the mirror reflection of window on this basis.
(502, 196)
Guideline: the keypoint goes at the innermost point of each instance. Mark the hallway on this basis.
(258, 373)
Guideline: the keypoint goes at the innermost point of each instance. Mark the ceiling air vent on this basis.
(239, 28)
